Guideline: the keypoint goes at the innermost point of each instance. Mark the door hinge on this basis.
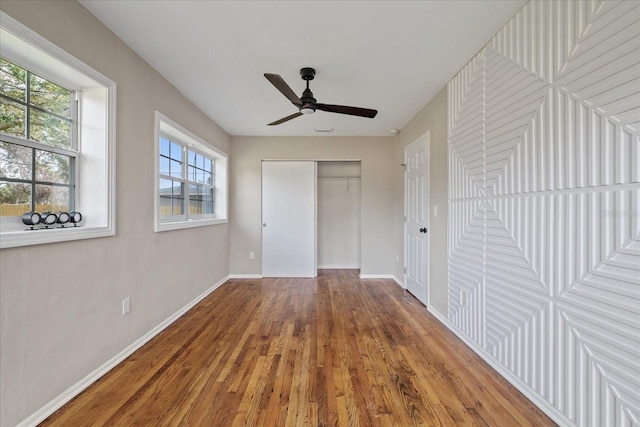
(405, 270)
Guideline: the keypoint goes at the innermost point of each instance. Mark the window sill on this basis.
(13, 239)
(178, 225)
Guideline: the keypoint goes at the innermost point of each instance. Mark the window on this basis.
(37, 143)
(191, 179)
(57, 144)
(185, 184)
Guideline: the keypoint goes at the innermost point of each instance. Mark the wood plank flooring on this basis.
(331, 351)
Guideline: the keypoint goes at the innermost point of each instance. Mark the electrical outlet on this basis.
(397, 257)
(252, 255)
(126, 305)
(435, 211)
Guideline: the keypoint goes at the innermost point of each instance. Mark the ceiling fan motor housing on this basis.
(307, 73)
(308, 102)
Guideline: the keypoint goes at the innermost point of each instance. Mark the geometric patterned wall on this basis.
(544, 207)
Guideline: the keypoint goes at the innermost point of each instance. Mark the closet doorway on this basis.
(339, 214)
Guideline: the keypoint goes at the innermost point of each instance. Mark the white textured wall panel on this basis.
(544, 206)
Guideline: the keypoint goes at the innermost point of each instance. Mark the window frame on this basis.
(172, 131)
(94, 191)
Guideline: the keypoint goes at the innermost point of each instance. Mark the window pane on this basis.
(178, 198)
(165, 196)
(166, 186)
(195, 207)
(200, 200)
(195, 199)
(207, 201)
(178, 206)
(51, 167)
(199, 169)
(13, 81)
(15, 161)
(164, 166)
(164, 147)
(175, 169)
(12, 118)
(49, 96)
(165, 206)
(51, 198)
(171, 197)
(50, 129)
(15, 198)
(178, 189)
(176, 151)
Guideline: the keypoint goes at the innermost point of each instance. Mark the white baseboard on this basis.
(245, 276)
(376, 276)
(48, 409)
(544, 406)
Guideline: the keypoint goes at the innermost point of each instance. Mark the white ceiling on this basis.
(393, 56)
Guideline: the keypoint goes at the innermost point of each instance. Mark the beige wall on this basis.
(61, 319)
(432, 118)
(378, 165)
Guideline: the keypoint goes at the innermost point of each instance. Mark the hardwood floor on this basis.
(334, 350)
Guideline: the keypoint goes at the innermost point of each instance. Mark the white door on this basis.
(416, 195)
(288, 219)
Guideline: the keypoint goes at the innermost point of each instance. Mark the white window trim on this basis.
(166, 127)
(30, 50)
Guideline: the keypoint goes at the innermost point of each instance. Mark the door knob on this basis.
(264, 224)
(423, 230)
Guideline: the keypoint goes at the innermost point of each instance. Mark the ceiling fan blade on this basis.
(285, 119)
(343, 109)
(283, 87)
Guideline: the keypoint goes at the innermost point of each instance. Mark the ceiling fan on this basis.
(307, 103)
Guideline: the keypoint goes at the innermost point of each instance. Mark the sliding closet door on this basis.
(288, 219)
